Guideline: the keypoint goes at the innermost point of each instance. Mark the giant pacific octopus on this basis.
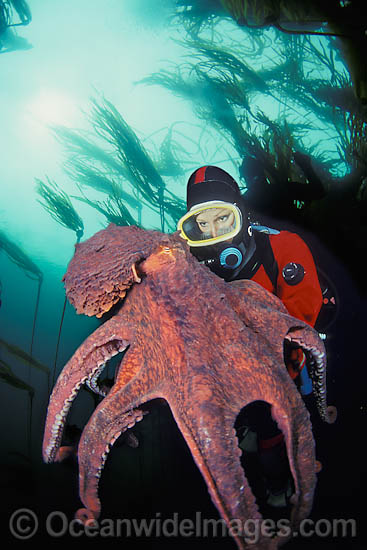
(207, 347)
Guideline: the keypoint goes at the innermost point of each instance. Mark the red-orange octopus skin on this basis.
(207, 347)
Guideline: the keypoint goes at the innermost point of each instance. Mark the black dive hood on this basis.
(226, 259)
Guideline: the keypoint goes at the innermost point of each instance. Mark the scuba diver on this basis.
(220, 235)
(276, 195)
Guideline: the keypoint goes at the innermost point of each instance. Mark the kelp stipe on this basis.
(10, 378)
(58, 205)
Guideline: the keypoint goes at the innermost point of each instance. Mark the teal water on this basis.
(85, 50)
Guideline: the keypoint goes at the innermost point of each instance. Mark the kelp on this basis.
(59, 206)
(209, 100)
(215, 107)
(121, 168)
(297, 76)
(353, 144)
(169, 162)
(254, 14)
(24, 356)
(82, 148)
(113, 209)
(233, 89)
(212, 56)
(343, 18)
(236, 79)
(86, 175)
(175, 82)
(7, 376)
(20, 258)
(109, 124)
(141, 171)
(308, 75)
(313, 90)
(195, 16)
(110, 178)
(214, 101)
(278, 144)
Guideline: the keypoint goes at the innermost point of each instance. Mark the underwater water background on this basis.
(84, 51)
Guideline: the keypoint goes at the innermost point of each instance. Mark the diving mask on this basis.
(210, 223)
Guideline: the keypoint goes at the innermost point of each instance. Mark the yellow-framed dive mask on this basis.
(210, 223)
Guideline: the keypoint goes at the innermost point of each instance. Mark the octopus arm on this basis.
(208, 428)
(84, 366)
(265, 314)
(261, 312)
(214, 446)
(312, 345)
(113, 416)
(254, 294)
(297, 431)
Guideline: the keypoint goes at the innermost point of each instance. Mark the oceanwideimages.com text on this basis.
(24, 524)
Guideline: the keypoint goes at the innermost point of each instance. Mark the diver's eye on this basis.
(223, 218)
(203, 224)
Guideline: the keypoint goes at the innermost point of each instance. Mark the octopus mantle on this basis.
(209, 348)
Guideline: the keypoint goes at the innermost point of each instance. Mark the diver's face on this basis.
(214, 222)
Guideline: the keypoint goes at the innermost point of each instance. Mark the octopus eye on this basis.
(166, 250)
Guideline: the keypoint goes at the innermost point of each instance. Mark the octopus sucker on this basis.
(95, 367)
(92, 382)
(316, 362)
(206, 363)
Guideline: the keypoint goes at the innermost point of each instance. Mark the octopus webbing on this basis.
(207, 347)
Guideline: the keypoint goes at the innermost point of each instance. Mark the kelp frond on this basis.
(278, 145)
(23, 356)
(110, 125)
(356, 147)
(142, 173)
(83, 149)
(113, 209)
(255, 13)
(175, 82)
(219, 58)
(7, 376)
(20, 258)
(86, 175)
(169, 164)
(198, 15)
(59, 206)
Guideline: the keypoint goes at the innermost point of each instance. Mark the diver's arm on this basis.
(303, 299)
